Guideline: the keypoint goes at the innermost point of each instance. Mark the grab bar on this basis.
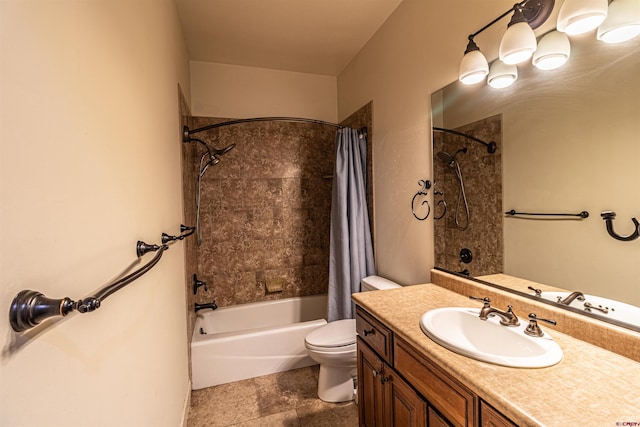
(513, 212)
(29, 308)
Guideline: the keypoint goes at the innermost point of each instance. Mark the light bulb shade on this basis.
(473, 68)
(580, 16)
(502, 75)
(518, 43)
(553, 51)
(622, 22)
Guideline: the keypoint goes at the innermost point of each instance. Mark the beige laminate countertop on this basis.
(589, 387)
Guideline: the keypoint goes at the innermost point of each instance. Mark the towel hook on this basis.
(442, 202)
(425, 184)
(609, 216)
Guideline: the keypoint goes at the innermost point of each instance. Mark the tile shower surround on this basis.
(265, 209)
(482, 176)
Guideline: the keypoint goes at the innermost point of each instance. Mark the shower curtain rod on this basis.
(186, 132)
(491, 146)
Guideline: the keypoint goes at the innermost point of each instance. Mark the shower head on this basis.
(445, 157)
(215, 153)
(224, 151)
(448, 159)
(212, 152)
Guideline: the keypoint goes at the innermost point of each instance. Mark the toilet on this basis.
(333, 346)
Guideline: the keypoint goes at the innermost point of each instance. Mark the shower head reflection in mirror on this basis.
(450, 161)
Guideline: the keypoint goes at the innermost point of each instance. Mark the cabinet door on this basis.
(403, 405)
(490, 417)
(452, 399)
(370, 399)
(435, 420)
(384, 398)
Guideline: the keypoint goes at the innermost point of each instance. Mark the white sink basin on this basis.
(462, 331)
(616, 310)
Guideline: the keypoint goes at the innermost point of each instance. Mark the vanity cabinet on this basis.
(400, 386)
(384, 398)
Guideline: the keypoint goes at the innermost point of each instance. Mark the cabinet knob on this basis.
(384, 379)
(368, 332)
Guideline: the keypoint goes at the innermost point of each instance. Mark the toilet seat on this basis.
(335, 336)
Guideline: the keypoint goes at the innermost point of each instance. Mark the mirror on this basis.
(568, 141)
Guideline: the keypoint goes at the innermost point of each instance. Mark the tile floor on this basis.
(283, 399)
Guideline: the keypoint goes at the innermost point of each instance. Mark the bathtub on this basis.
(250, 340)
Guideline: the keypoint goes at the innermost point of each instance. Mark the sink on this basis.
(462, 331)
(616, 310)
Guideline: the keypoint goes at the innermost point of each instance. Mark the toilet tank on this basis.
(376, 283)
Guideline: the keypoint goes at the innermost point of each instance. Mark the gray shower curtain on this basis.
(351, 250)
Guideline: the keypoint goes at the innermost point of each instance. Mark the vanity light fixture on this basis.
(553, 51)
(473, 67)
(580, 16)
(502, 75)
(622, 22)
(518, 42)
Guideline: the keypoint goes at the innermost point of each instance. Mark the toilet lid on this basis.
(333, 334)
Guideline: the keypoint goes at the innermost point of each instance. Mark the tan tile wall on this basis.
(482, 176)
(265, 208)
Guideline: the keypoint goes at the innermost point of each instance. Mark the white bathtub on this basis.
(250, 340)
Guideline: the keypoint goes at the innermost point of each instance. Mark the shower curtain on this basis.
(350, 248)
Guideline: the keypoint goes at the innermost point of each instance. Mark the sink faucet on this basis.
(572, 296)
(507, 318)
(211, 305)
(533, 329)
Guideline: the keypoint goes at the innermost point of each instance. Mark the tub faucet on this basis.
(212, 305)
(507, 318)
(572, 296)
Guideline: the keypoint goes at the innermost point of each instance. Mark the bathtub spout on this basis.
(211, 305)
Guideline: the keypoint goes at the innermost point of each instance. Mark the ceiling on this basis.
(308, 36)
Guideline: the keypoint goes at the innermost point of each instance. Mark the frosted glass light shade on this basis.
(502, 75)
(518, 43)
(473, 68)
(553, 51)
(580, 16)
(622, 22)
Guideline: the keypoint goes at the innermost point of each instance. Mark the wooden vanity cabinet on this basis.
(452, 399)
(399, 386)
(384, 398)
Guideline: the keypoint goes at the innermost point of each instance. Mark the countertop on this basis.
(591, 386)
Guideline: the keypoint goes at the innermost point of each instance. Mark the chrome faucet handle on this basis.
(533, 329)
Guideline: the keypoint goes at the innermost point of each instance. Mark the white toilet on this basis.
(333, 346)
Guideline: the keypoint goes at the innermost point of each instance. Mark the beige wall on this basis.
(90, 163)
(416, 52)
(221, 90)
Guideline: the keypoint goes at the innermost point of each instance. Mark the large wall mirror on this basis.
(568, 141)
